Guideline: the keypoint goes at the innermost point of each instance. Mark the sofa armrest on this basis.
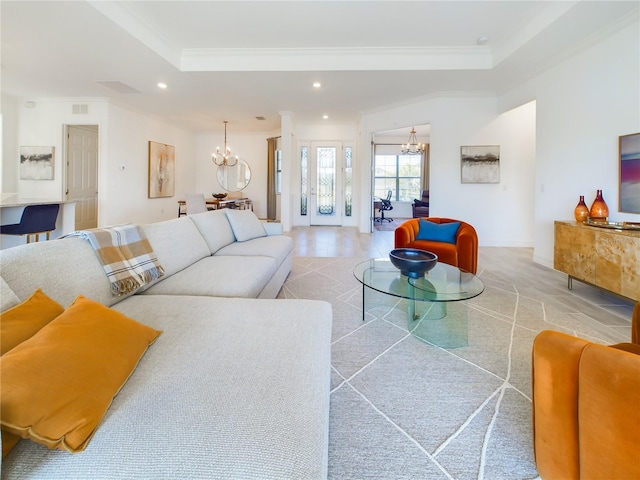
(586, 421)
(609, 417)
(273, 228)
(467, 243)
(555, 367)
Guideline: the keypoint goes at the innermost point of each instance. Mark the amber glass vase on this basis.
(599, 211)
(581, 212)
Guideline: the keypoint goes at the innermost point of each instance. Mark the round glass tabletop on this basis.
(444, 283)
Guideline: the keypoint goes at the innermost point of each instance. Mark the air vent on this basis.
(79, 109)
(260, 118)
(119, 87)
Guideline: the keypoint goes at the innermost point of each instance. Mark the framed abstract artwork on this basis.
(36, 163)
(480, 164)
(629, 148)
(162, 167)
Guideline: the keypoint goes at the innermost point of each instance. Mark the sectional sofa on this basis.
(232, 382)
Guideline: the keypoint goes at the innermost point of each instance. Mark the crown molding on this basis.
(335, 59)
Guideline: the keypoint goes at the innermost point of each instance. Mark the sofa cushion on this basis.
(24, 320)
(220, 276)
(64, 268)
(245, 225)
(215, 229)
(177, 243)
(58, 384)
(8, 298)
(274, 246)
(438, 232)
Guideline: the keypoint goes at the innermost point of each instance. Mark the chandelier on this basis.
(412, 147)
(224, 158)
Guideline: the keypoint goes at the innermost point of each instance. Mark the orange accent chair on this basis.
(586, 420)
(463, 254)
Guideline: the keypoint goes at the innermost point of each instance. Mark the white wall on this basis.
(123, 141)
(583, 106)
(43, 125)
(501, 213)
(124, 193)
(9, 157)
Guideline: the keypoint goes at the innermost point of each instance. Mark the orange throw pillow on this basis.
(58, 385)
(22, 321)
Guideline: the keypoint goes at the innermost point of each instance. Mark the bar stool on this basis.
(35, 220)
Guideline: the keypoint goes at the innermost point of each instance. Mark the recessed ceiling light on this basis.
(482, 40)
(162, 85)
(325, 116)
(317, 84)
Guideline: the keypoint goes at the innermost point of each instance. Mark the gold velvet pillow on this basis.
(57, 385)
(24, 320)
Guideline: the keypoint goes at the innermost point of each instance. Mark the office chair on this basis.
(36, 219)
(385, 206)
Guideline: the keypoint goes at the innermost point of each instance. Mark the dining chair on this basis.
(195, 203)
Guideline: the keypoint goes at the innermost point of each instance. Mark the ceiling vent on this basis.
(79, 109)
(119, 87)
(260, 118)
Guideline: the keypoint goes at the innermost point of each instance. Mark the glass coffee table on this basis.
(437, 310)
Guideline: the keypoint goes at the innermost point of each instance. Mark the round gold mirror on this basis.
(234, 178)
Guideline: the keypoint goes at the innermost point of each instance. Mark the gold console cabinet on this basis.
(606, 258)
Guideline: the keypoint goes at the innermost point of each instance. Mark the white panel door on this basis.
(325, 175)
(82, 173)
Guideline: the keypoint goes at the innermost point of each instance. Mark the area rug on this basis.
(402, 408)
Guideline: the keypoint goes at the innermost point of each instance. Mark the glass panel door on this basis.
(325, 170)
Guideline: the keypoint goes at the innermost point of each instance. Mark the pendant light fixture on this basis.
(412, 147)
(224, 158)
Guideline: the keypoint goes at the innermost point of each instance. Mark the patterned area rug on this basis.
(402, 408)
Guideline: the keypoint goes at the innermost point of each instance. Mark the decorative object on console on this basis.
(599, 212)
(36, 163)
(219, 196)
(581, 212)
(413, 147)
(629, 147)
(480, 164)
(412, 262)
(162, 166)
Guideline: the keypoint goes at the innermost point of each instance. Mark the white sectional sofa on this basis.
(237, 384)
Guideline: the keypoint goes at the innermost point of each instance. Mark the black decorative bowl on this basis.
(219, 196)
(412, 262)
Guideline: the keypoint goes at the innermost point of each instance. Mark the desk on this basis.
(215, 204)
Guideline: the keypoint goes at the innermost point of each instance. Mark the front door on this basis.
(82, 173)
(325, 180)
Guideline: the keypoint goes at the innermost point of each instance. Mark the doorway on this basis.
(82, 173)
(325, 174)
(401, 169)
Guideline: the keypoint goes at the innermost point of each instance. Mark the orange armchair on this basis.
(463, 254)
(586, 420)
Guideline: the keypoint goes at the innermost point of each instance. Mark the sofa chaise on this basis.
(236, 385)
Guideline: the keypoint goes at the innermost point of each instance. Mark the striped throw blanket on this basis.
(126, 256)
